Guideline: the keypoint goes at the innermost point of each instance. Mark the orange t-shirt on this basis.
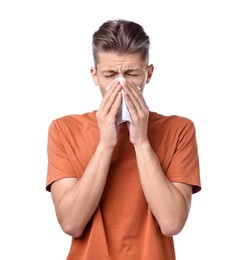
(123, 227)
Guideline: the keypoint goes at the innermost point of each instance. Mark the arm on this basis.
(76, 200)
(169, 202)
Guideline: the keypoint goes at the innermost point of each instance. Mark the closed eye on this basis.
(110, 75)
(132, 75)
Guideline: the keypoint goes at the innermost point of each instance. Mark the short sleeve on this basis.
(184, 166)
(59, 164)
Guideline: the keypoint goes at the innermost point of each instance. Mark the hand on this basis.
(139, 113)
(106, 115)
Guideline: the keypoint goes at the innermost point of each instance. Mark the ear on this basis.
(150, 72)
(94, 75)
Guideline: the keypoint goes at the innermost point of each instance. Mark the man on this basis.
(122, 190)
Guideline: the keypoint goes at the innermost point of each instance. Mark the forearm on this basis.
(78, 204)
(166, 202)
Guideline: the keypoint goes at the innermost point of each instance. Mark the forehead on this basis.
(114, 61)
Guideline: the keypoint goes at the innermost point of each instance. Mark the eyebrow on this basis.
(116, 71)
(109, 71)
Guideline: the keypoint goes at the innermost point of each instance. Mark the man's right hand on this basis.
(106, 115)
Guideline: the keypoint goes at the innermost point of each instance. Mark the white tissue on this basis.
(123, 112)
(120, 79)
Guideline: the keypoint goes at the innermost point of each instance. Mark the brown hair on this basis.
(120, 36)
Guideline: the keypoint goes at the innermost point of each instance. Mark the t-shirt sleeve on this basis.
(184, 166)
(59, 164)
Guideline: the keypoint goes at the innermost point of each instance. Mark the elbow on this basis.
(72, 230)
(171, 231)
(171, 228)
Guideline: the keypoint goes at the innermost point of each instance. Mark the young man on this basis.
(122, 189)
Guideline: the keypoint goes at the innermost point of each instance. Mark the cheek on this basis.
(139, 82)
(104, 84)
(103, 91)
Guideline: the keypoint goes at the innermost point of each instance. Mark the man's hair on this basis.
(121, 37)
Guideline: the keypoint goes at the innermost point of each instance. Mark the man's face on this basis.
(112, 65)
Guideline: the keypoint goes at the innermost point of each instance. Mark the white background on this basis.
(199, 50)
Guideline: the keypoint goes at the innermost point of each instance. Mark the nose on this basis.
(119, 75)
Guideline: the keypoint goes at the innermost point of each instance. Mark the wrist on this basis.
(142, 146)
(105, 147)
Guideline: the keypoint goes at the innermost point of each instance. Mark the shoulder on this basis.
(170, 121)
(171, 127)
(73, 122)
(74, 119)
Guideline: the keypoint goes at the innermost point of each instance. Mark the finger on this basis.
(116, 104)
(133, 97)
(134, 92)
(109, 98)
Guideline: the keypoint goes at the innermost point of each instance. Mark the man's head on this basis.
(120, 37)
(121, 48)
